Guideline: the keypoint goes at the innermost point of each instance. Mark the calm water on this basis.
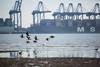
(63, 45)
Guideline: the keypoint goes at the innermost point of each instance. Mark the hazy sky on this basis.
(29, 5)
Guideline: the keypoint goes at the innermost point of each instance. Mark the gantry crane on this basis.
(39, 13)
(94, 12)
(16, 14)
(69, 12)
(59, 14)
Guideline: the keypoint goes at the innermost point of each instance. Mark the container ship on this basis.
(66, 26)
(54, 26)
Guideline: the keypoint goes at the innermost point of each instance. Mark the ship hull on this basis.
(66, 26)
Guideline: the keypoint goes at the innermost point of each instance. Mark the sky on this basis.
(29, 5)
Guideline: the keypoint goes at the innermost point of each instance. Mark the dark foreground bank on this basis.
(50, 62)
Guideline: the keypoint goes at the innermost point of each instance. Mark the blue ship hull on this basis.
(76, 26)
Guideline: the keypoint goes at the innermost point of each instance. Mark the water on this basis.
(63, 45)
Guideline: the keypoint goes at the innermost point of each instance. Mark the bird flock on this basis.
(35, 38)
